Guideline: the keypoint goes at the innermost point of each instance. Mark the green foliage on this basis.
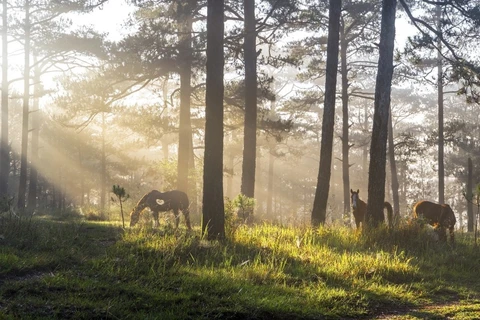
(244, 205)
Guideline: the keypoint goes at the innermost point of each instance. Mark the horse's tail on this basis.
(389, 208)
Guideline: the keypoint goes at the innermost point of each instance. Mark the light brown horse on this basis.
(440, 216)
(360, 209)
(175, 200)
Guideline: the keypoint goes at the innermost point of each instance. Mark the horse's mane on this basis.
(145, 201)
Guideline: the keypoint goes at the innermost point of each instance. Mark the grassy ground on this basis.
(73, 269)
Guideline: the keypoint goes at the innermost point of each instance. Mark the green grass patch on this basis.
(78, 269)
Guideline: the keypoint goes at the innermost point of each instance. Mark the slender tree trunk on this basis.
(393, 169)
(231, 170)
(378, 147)
(365, 147)
(103, 168)
(22, 188)
(271, 162)
(441, 168)
(4, 147)
(213, 223)
(470, 215)
(323, 183)
(33, 185)
(165, 149)
(345, 126)
(82, 178)
(192, 187)
(250, 124)
(185, 127)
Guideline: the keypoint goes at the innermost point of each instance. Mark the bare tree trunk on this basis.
(470, 215)
(4, 147)
(365, 148)
(345, 126)
(22, 188)
(33, 185)
(231, 171)
(271, 162)
(393, 169)
(250, 124)
(319, 211)
(213, 223)
(185, 127)
(82, 179)
(378, 147)
(165, 149)
(103, 168)
(441, 168)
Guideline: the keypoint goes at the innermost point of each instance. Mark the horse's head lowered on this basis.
(355, 198)
(134, 217)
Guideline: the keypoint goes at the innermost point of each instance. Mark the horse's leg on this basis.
(452, 234)
(177, 217)
(155, 219)
(186, 213)
(442, 231)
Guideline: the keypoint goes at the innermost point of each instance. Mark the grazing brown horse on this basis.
(440, 216)
(360, 209)
(161, 202)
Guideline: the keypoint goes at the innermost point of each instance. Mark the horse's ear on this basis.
(358, 190)
(351, 191)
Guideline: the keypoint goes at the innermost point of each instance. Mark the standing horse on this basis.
(360, 209)
(171, 200)
(440, 216)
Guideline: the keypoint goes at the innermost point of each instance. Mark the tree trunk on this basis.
(103, 168)
(345, 126)
(470, 215)
(271, 162)
(441, 168)
(378, 147)
(231, 170)
(323, 183)
(4, 147)
(213, 223)
(250, 124)
(22, 187)
(393, 170)
(185, 127)
(32, 187)
(365, 147)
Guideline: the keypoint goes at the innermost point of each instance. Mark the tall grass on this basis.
(261, 272)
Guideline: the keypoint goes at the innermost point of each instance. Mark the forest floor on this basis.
(76, 269)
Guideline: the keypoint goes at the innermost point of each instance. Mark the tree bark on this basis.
(441, 167)
(271, 162)
(345, 126)
(213, 223)
(470, 215)
(185, 127)
(393, 170)
(32, 187)
(103, 167)
(4, 147)
(250, 124)
(22, 187)
(323, 183)
(378, 146)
